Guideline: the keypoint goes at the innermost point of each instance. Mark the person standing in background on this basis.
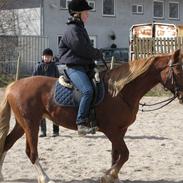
(47, 68)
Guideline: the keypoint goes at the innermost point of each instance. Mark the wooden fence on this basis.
(145, 47)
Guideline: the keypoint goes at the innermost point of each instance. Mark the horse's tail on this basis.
(5, 114)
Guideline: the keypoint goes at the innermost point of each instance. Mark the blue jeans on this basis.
(80, 79)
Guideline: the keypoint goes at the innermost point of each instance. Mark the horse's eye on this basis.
(182, 66)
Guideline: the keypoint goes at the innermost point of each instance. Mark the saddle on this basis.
(67, 95)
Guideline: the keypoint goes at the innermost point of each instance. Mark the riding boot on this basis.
(43, 128)
(93, 121)
(92, 118)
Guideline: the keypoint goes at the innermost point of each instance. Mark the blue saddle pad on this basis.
(71, 97)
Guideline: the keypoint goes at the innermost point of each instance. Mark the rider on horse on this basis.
(77, 53)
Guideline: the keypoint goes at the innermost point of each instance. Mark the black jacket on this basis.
(46, 69)
(75, 47)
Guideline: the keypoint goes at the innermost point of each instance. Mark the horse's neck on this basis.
(136, 89)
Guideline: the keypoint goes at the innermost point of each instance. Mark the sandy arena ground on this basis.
(155, 142)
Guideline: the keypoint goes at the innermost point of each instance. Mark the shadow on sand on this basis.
(90, 181)
(132, 137)
(102, 136)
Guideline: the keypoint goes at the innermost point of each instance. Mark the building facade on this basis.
(110, 17)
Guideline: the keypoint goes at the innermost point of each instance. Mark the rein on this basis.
(105, 64)
(171, 76)
(168, 101)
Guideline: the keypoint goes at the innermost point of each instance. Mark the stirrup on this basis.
(94, 129)
(84, 130)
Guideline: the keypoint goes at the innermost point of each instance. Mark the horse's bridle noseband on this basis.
(171, 76)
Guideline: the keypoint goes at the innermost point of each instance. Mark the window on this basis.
(158, 9)
(108, 7)
(137, 9)
(92, 4)
(174, 10)
(93, 41)
(59, 37)
(120, 54)
(64, 4)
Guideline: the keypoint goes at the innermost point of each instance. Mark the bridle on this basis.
(176, 88)
(172, 77)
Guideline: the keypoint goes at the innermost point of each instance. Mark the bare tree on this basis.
(8, 25)
(13, 24)
(8, 38)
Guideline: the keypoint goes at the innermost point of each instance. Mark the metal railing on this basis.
(27, 48)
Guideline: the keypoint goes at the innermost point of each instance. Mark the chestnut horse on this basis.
(32, 98)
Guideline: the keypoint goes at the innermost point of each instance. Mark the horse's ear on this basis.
(176, 56)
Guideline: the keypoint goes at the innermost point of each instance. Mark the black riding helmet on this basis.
(78, 6)
(48, 51)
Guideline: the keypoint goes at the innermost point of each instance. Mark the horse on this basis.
(31, 98)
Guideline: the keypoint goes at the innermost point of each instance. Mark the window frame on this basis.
(92, 1)
(174, 2)
(107, 15)
(59, 37)
(67, 1)
(163, 16)
(137, 12)
(92, 37)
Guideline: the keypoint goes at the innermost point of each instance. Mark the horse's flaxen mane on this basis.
(126, 73)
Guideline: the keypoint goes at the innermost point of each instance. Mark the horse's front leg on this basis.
(120, 155)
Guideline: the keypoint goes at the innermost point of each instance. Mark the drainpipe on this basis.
(42, 17)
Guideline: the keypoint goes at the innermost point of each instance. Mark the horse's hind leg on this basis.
(32, 153)
(14, 135)
(42, 177)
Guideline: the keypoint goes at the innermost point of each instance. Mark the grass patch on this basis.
(5, 80)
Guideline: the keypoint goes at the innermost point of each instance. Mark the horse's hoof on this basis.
(107, 179)
(45, 179)
(51, 181)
